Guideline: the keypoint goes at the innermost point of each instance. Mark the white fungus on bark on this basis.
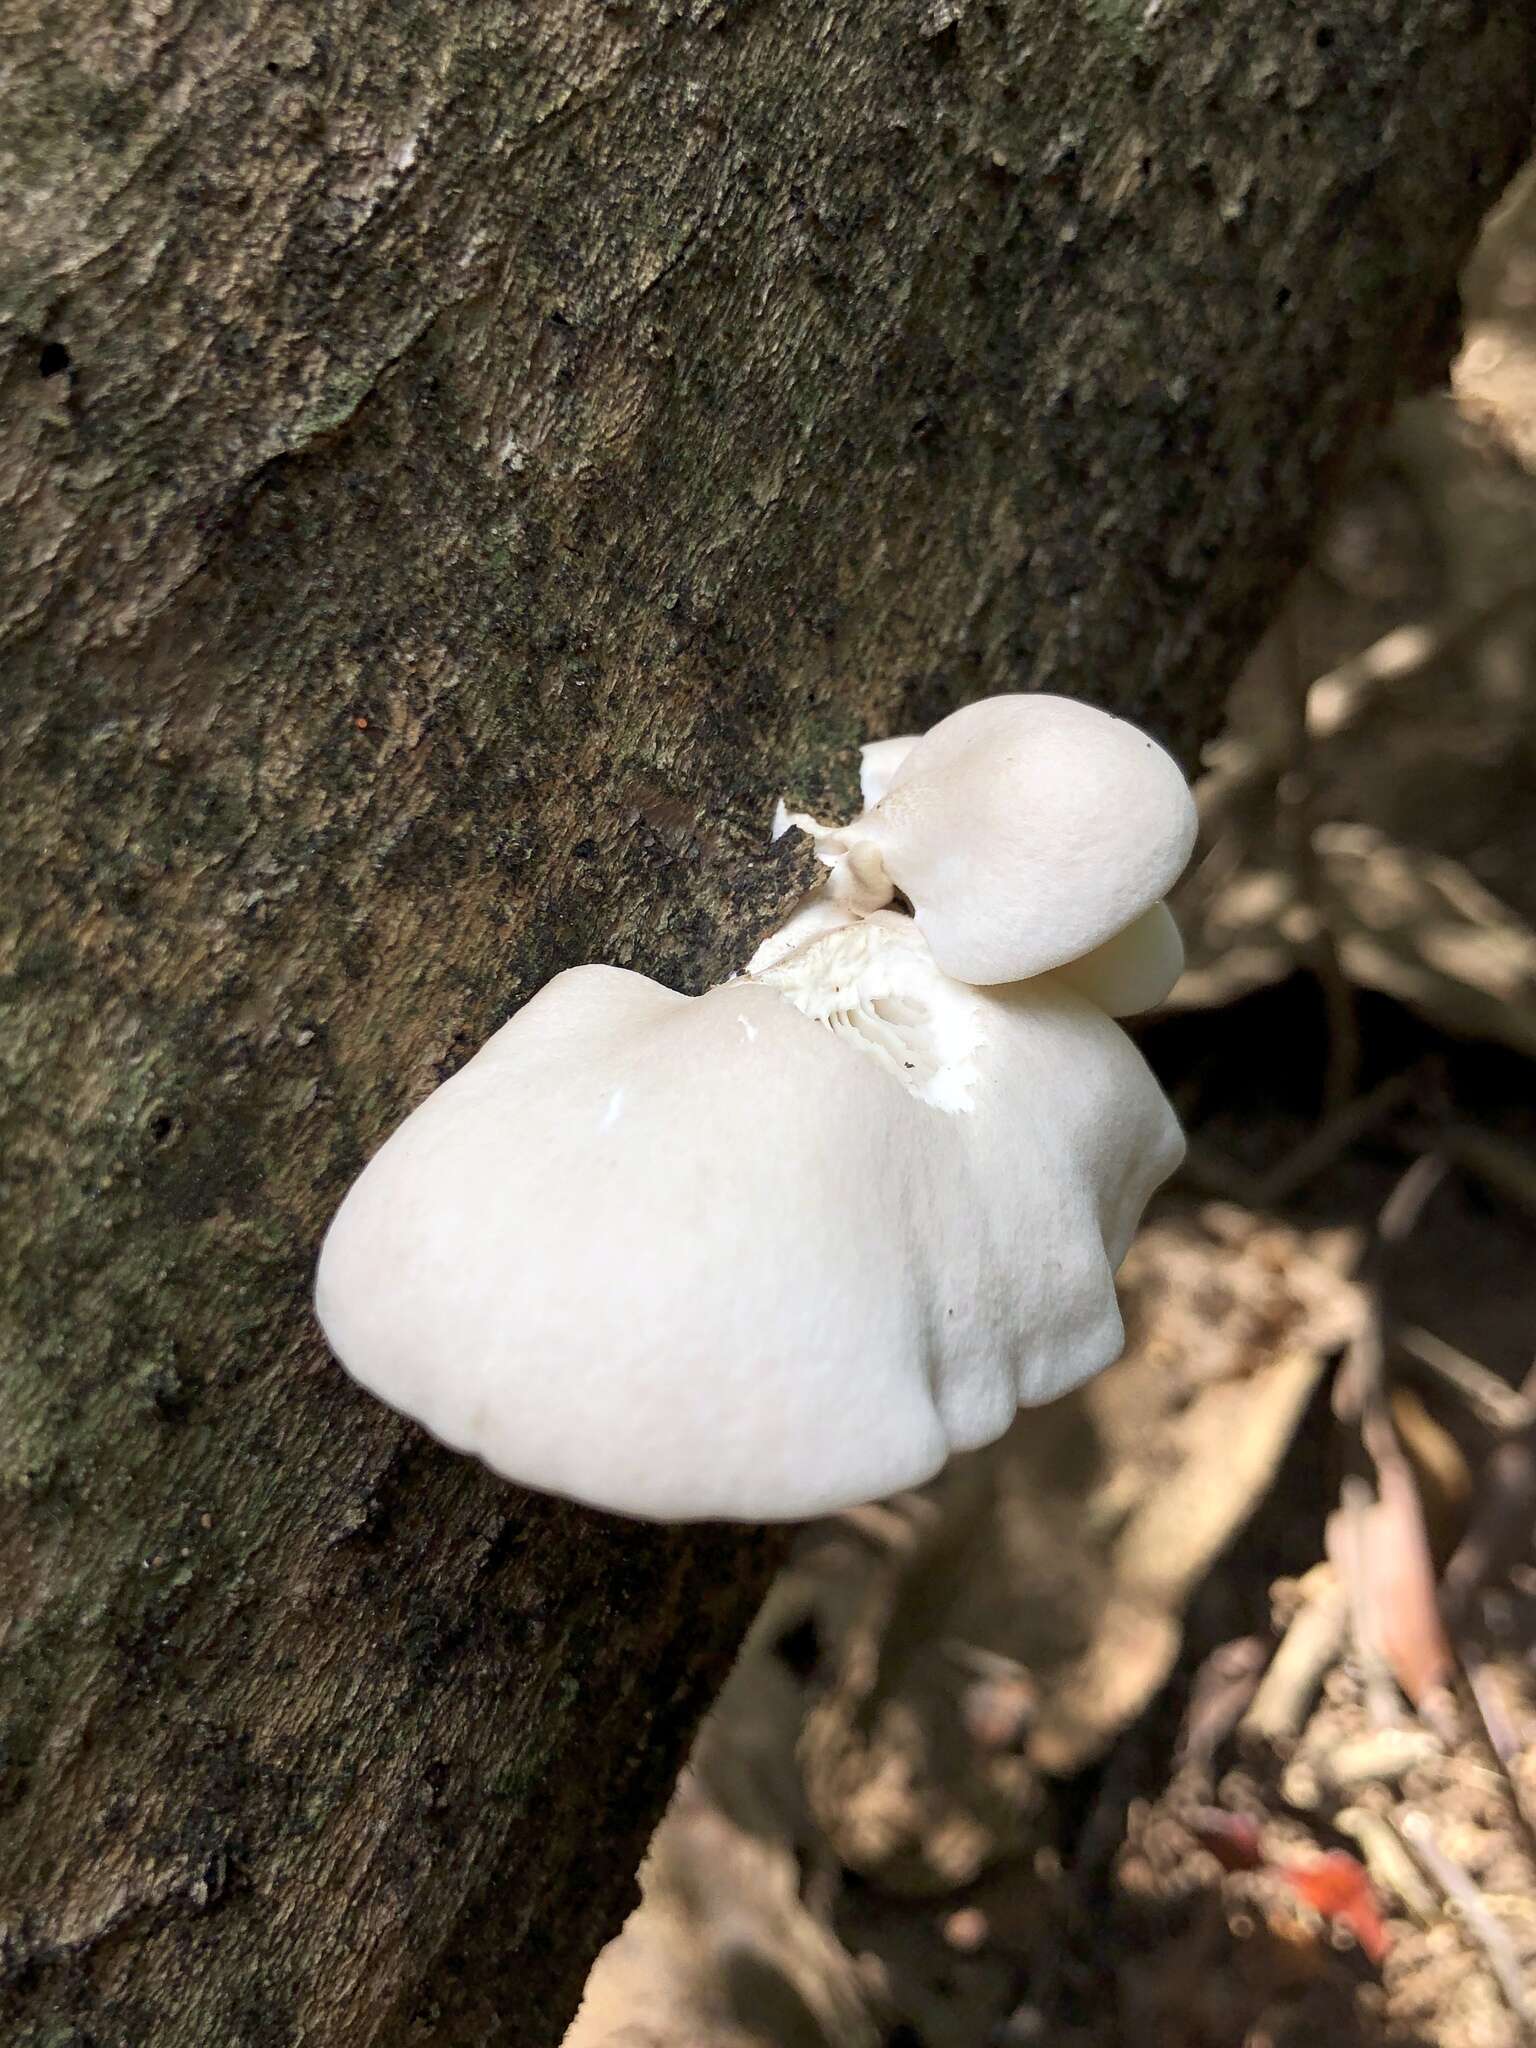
(1024, 831)
(784, 1247)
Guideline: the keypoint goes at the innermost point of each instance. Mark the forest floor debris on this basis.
(1085, 1744)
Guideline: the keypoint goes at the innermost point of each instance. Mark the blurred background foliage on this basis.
(1202, 1709)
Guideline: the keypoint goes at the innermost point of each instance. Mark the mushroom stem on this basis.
(858, 883)
(858, 880)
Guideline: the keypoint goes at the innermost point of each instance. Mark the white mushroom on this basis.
(1025, 831)
(815, 914)
(1134, 970)
(759, 1254)
(878, 762)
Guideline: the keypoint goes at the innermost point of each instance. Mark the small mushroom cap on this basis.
(1026, 830)
(712, 1257)
(1135, 970)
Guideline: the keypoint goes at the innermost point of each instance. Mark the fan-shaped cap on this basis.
(1025, 831)
(759, 1254)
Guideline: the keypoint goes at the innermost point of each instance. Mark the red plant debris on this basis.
(1333, 1883)
(1232, 1838)
(1336, 1886)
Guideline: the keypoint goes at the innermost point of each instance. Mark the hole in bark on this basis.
(1322, 38)
(799, 1647)
(53, 361)
(945, 45)
(1282, 298)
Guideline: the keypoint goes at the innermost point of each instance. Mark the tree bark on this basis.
(461, 459)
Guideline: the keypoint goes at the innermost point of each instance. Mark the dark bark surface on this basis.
(460, 460)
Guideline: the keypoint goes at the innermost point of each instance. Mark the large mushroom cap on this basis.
(1026, 830)
(759, 1254)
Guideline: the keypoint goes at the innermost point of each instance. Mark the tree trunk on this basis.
(462, 458)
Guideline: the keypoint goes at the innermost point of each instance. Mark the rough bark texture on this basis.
(461, 459)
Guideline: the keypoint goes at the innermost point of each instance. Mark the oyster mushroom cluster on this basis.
(784, 1247)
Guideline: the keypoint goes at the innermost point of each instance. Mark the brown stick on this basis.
(1360, 1384)
(1495, 1403)
(1506, 1167)
(1501, 1527)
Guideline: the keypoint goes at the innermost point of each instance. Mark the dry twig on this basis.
(1310, 1647)
(1389, 1863)
(1506, 1167)
(1221, 1689)
(1496, 1404)
(1458, 1889)
(1211, 1174)
(1493, 1711)
(1501, 1526)
(1361, 1381)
